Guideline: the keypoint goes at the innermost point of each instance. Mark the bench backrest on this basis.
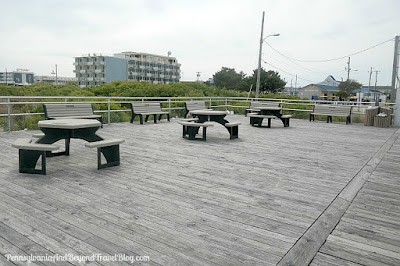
(140, 107)
(67, 110)
(255, 104)
(195, 105)
(339, 110)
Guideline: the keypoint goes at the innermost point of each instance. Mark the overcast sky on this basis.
(206, 35)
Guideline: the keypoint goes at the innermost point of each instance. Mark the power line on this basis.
(307, 69)
(288, 72)
(332, 59)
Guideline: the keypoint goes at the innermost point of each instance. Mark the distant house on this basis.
(324, 90)
(318, 92)
(330, 81)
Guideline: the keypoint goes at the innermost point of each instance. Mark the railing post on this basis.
(226, 104)
(210, 103)
(169, 106)
(9, 114)
(109, 111)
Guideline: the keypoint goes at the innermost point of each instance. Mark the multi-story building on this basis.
(98, 69)
(20, 77)
(155, 69)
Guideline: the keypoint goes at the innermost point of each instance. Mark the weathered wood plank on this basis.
(358, 252)
(322, 259)
(243, 201)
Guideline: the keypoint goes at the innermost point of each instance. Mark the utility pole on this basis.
(259, 58)
(376, 81)
(348, 69)
(369, 83)
(395, 72)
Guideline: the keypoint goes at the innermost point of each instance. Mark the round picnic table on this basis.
(58, 129)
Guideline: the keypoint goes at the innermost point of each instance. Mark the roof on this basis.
(367, 90)
(324, 87)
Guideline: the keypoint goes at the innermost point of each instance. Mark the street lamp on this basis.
(55, 73)
(259, 56)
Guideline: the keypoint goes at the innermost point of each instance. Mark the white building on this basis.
(98, 69)
(20, 77)
(126, 66)
(155, 69)
(54, 80)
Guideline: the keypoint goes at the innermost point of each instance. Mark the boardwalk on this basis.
(271, 197)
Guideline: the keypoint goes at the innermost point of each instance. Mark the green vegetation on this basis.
(270, 81)
(347, 88)
(116, 89)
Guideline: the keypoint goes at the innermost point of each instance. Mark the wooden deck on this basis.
(271, 197)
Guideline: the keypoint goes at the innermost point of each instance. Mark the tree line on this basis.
(270, 81)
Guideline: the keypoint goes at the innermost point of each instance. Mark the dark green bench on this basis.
(194, 105)
(147, 109)
(70, 110)
(332, 110)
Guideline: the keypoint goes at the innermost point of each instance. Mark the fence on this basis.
(20, 112)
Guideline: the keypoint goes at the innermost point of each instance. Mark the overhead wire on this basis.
(312, 81)
(290, 59)
(332, 59)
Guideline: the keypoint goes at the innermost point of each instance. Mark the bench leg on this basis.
(141, 119)
(111, 153)
(184, 133)
(155, 119)
(28, 160)
(234, 132)
(269, 122)
(192, 132)
(285, 122)
(204, 133)
(252, 122)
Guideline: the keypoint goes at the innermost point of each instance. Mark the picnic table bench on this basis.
(194, 106)
(109, 148)
(332, 110)
(29, 154)
(70, 111)
(191, 128)
(147, 109)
